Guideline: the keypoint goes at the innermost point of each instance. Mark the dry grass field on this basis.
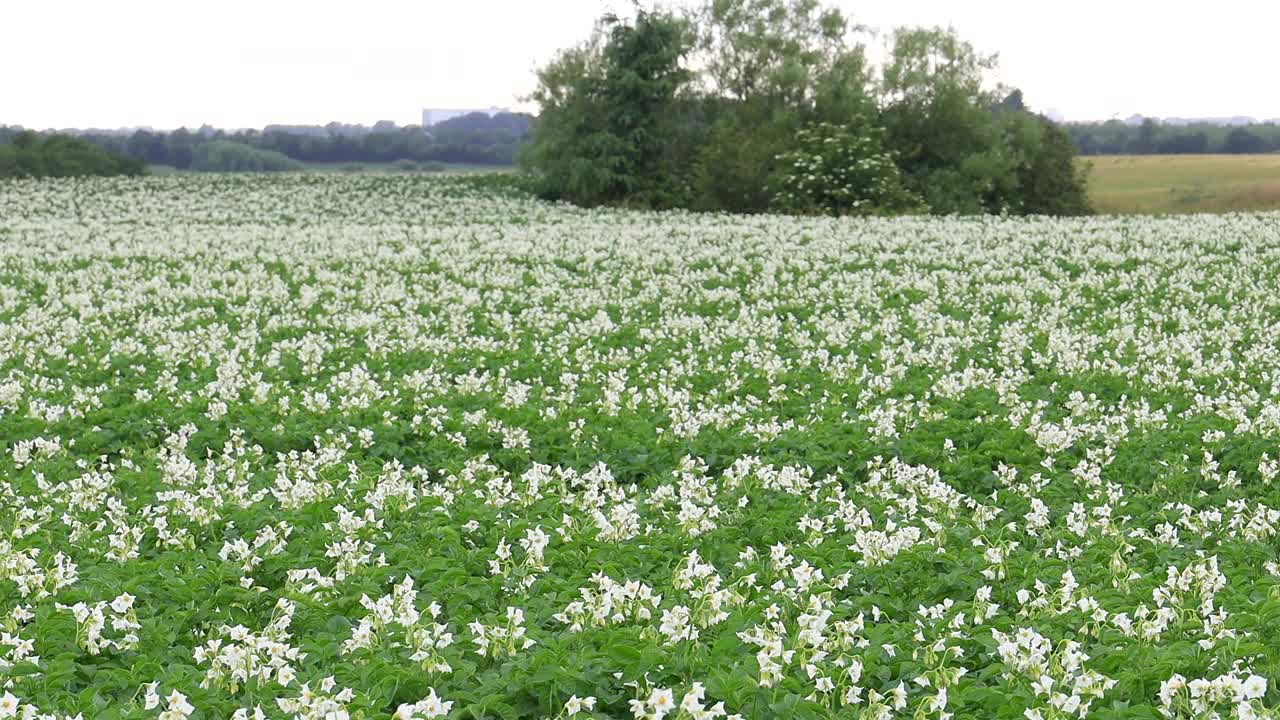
(1162, 184)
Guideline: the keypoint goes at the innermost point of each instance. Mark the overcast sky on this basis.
(248, 63)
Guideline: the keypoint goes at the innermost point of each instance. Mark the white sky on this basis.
(248, 63)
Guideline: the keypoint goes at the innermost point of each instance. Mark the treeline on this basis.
(25, 154)
(774, 105)
(1154, 138)
(476, 138)
(231, 156)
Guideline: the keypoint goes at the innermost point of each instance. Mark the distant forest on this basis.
(496, 140)
(1154, 138)
(474, 139)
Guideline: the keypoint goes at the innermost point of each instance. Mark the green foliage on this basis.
(932, 65)
(1145, 142)
(642, 76)
(230, 156)
(565, 149)
(738, 158)
(1184, 143)
(939, 123)
(775, 65)
(641, 115)
(602, 135)
(1240, 141)
(773, 49)
(964, 149)
(30, 155)
(1052, 183)
(841, 170)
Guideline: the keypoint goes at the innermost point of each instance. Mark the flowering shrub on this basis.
(841, 170)
(390, 447)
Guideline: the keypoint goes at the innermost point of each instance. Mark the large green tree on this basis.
(642, 114)
(940, 123)
(1050, 181)
(604, 128)
(775, 49)
(775, 66)
(967, 147)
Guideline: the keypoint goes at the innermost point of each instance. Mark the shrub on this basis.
(1052, 183)
(230, 156)
(29, 155)
(841, 170)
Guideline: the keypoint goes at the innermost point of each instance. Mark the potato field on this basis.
(328, 447)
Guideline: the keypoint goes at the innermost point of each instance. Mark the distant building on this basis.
(434, 116)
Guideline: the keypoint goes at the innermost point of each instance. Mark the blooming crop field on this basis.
(370, 447)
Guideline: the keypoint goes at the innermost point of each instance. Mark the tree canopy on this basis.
(27, 154)
(773, 105)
